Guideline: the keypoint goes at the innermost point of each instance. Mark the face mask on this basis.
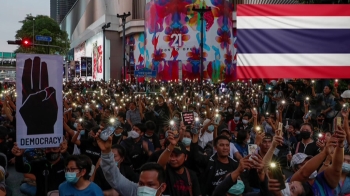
(71, 177)
(230, 110)
(313, 175)
(146, 191)
(245, 122)
(297, 132)
(237, 189)
(186, 141)
(116, 163)
(346, 168)
(211, 128)
(236, 119)
(286, 191)
(176, 118)
(117, 134)
(82, 132)
(148, 135)
(305, 135)
(75, 125)
(248, 141)
(52, 156)
(134, 134)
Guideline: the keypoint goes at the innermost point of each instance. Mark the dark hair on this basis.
(121, 114)
(121, 150)
(330, 87)
(308, 124)
(141, 127)
(82, 162)
(241, 136)
(220, 137)
(150, 125)
(307, 191)
(151, 166)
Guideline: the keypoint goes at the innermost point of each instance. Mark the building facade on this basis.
(60, 8)
(162, 38)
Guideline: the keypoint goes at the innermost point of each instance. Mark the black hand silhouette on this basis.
(39, 105)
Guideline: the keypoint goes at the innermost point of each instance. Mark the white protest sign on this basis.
(39, 100)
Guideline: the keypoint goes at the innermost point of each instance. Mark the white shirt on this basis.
(205, 138)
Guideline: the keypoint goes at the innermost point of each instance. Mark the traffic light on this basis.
(23, 42)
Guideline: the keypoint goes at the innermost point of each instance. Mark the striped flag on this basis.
(293, 41)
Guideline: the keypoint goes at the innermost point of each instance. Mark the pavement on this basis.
(14, 180)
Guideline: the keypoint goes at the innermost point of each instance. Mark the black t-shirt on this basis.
(135, 152)
(219, 174)
(90, 150)
(154, 140)
(309, 149)
(178, 184)
(117, 139)
(55, 173)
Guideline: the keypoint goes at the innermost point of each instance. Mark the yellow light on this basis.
(273, 165)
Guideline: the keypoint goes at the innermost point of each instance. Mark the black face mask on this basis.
(305, 135)
(52, 156)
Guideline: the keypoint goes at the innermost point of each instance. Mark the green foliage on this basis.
(45, 26)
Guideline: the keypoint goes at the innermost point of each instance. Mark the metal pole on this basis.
(103, 55)
(33, 31)
(124, 57)
(202, 29)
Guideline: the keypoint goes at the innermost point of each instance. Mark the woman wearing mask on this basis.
(206, 134)
(124, 168)
(229, 114)
(77, 176)
(343, 188)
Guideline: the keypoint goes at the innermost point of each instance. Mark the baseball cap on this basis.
(225, 130)
(345, 94)
(179, 148)
(298, 158)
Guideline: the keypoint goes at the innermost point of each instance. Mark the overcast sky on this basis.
(12, 11)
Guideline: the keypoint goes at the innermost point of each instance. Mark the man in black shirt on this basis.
(162, 113)
(49, 173)
(149, 135)
(181, 181)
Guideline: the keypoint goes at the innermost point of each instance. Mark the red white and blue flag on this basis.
(293, 41)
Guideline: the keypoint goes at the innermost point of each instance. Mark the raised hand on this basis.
(105, 146)
(244, 164)
(39, 106)
(16, 151)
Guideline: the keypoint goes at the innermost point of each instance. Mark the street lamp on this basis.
(201, 12)
(123, 17)
(104, 27)
(32, 18)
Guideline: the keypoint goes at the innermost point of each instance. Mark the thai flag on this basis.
(293, 41)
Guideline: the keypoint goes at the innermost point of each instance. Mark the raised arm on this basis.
(164, 157)
(333, 173)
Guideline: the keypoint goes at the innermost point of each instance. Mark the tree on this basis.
(45, 26)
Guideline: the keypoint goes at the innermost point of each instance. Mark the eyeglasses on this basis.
(76, 170)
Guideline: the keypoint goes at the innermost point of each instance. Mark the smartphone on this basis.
(345, 107)
(275, 172)
(217, 119)
(307, 115)
(280, 127)
(252, 148)
(197, 126)
(322, 137)
(106, 133)
(174, 128)
(339, 121)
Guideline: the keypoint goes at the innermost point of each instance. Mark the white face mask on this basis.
(134, 134)
(245, 122)
(146, 191)
(313, 175)
(286, 191)
(248, 141)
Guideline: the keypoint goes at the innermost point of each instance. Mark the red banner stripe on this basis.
(293, 71)
(293, 10)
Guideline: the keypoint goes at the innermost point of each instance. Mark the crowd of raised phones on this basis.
(278, 137)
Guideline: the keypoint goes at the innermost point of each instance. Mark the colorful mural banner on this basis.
(172, 40)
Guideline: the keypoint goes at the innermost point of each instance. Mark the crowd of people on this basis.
(278, 138)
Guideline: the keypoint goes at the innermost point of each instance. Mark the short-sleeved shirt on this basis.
(134, 116)
(68, 189)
